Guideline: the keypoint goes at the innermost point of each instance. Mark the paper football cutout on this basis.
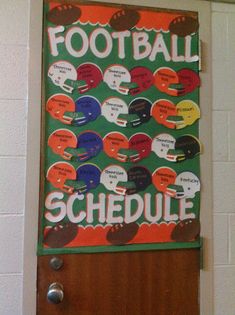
(175, 83)
(64, 14)
(186, 230)
(60, 234)
(63, 74)
(122, 233)
(124, 19)
(184, 26)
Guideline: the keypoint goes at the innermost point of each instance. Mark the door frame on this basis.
(33, 147)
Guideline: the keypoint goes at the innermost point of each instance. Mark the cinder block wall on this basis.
(223, 17)
(14, 22)
(13, 109)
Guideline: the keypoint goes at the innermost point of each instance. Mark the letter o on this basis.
(108, 39)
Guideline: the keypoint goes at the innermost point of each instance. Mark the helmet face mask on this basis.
(62, 71)
(116, 77)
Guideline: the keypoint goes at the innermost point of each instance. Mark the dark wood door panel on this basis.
(138, 283)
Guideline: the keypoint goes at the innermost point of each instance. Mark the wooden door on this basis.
(149, 283)
(163, 282)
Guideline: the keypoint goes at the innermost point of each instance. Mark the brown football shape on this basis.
(122, 233)
(124, 20)
(60, 235)
(184, 25)
(186, 230)
(64, 14)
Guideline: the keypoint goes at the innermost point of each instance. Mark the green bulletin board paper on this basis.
(96, 231)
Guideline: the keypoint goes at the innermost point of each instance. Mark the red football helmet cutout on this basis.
(90, 74)
(141, 143)
(143, 78)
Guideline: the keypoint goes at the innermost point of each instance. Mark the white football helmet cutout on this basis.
(60, 72)
(112, 108)
(112, 178)
(190, 183)
(116, 76)
(162, 143)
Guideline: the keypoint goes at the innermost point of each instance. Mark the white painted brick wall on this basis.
(13, 107)
(223, 17)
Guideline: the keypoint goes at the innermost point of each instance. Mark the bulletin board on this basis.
(121, 111)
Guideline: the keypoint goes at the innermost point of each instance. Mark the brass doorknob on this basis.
(55, 293)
